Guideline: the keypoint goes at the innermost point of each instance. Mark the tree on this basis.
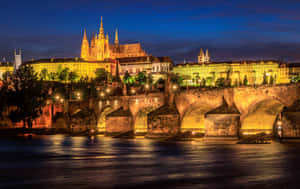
(141, 78)
(265, 79)
(245, 82)
(203, 82)
(220, 82)
(64, 74)
(28, 97)
(73, 76)
(52, 76)
(44, 74)
(209, 81)
(101, 75)
(271, 80)
(235, 83)
(128, 80)
(176, 79)
(160, 83)
(150, 79)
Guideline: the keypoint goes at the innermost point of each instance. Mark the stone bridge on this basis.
(256, 109)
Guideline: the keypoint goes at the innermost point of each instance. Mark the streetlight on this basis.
(57, 97)
(279, 128)
(133, 91)
(174, 87)
(102, 94)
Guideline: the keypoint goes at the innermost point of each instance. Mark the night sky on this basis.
(231, 30)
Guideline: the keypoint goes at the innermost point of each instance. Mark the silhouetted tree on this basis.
(245, 82)
(28, 97)
(265, 79)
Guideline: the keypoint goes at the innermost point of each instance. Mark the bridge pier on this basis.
(164, 121)
(289, 121)
(119, 121)
(223, 121)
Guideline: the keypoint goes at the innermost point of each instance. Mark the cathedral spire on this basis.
(101, 33)
(201, 56)
(84, 35)
(84, 46)
(116, 37)
(93, 41)
(207, 56)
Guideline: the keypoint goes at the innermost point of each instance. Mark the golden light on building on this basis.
(99, 48)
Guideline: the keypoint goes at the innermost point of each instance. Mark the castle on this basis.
(99, 48)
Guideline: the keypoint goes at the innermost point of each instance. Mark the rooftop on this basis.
(144, 59)
(63, 60)
(230, 62)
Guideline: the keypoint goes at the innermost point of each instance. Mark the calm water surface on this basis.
(80, 162)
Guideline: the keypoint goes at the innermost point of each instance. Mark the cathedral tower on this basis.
(85, 46)
(203, 58)
(18, 60)
(116, 38)
(207, 57)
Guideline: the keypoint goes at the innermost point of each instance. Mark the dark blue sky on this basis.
(240, 29)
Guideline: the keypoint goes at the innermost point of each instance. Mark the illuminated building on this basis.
(5, 67)
(203, 58)
(18, 60)
(148, 64)
(100, 49)
(254, 72)
(294, 69)
(81, 67)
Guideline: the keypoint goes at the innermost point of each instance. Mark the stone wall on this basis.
(291, 124)
(119, 124)
(165, 121)
(222, 125)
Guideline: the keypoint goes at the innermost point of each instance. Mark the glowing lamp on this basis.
(174, 87)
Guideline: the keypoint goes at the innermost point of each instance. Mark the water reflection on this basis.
(102, 162)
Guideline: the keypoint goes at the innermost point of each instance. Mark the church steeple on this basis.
(207, 58)
(116, 38)
(101, 32)
(93, 42)
(84, 36)
(201, 56)
(84, 46)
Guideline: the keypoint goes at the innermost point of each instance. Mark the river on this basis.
(58, 161)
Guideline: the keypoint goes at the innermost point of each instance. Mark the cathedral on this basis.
(100, 49)
(203, 58)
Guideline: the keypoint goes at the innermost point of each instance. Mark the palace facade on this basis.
(6, 67)
(81, 67)
(254, 72)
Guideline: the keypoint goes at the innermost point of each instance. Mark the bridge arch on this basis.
(101, 125)
(261, 116)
